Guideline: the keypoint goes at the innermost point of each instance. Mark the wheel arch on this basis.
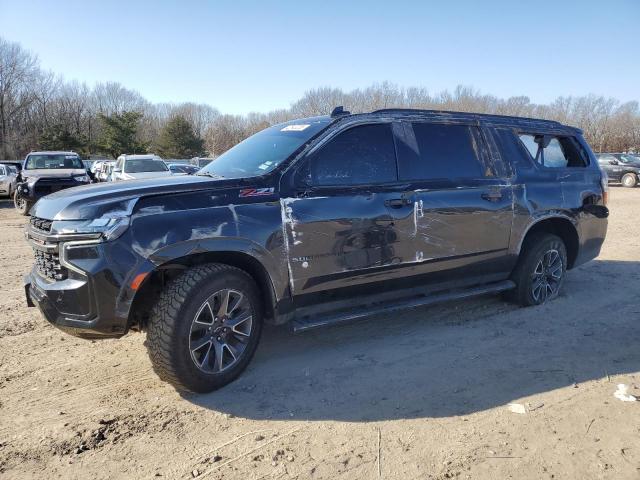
(147, 293)
(558, 225)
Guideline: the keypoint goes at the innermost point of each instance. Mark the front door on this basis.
(344, 222)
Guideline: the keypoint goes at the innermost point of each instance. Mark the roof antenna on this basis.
(336, 112)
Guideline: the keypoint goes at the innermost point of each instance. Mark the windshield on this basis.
(265, 150)
(53, 161)
(629, 159)
(139, 165)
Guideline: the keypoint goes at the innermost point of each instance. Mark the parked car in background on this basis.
(319, 221)
(8, 179)
(95, 166)
(103, 174)
(182, 168)
(201, 161)
(621, 168)
(135, 167)
(47, 172)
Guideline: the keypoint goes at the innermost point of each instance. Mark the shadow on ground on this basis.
(6, 203)
(448, 360)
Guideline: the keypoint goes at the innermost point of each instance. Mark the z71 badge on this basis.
(256, 192)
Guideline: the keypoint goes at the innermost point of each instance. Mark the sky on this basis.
(242, 56)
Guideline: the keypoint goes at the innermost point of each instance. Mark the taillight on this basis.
(604, 181)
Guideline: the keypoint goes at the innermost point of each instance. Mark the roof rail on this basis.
(470, 114)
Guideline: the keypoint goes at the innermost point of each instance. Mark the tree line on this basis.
(39, 110)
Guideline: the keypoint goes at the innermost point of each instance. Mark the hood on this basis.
(94, 200)
(53, 172)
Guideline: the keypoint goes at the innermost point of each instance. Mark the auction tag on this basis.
(294, 128)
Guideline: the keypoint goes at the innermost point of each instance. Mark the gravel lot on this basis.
(422, 395)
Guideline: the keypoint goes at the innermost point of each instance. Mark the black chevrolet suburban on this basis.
(314, 222)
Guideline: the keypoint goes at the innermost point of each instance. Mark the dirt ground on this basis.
(419, 395)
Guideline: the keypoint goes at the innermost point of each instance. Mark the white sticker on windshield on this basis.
(294, 128)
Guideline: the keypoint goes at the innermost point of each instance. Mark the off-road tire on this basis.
(170, 323)
(531, 253)
(629, 180)
(22, 207)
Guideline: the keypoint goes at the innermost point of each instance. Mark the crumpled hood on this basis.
(94, 200)
(52, 173)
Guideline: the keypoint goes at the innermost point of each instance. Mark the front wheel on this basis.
(205, 327)
(629, 180)
(540, 271)
(22, 204)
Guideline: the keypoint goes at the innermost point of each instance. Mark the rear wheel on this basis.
(205, 327)
(22, 204)
(629, 180)
(541, 269)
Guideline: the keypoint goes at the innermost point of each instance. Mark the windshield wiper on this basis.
(209, 174)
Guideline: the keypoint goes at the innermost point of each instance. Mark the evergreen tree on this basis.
(59, 137)
(120, 134)
(178, 140)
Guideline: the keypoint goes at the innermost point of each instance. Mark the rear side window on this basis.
(440, 151)
(362, 155)
(553, 151)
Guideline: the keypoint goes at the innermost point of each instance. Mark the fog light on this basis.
(25, 189)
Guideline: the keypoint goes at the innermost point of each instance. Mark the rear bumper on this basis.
(592, 230)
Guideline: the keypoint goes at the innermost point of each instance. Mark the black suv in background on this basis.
(621, 168)
(47, 172)
(318, 221)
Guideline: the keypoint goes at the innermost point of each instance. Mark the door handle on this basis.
(397, 202)
(492, 196)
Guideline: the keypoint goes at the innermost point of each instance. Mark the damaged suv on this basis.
(315, 222)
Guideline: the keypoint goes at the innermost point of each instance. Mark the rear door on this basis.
(464, 199)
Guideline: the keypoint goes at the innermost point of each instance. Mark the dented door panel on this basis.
(338, 240)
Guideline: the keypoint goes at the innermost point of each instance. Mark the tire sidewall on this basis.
(536, 252)
(196, 379)
(631, 183)
(24, 208)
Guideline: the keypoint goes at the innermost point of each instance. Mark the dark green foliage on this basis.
(59, 137)
(120, 134)
(178, 140)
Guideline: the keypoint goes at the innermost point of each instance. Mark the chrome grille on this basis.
(48, 265)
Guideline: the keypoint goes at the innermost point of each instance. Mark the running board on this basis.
(353, 314)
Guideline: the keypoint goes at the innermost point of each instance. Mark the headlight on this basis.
(107, 228)
(81, 178)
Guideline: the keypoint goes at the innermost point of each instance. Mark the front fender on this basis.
(165, 229)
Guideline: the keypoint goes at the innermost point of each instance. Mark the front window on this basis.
(53, 162)
(264, 151)
(362, 155)
(139, 165)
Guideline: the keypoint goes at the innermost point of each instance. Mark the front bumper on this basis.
(34, 190)
(89, 300)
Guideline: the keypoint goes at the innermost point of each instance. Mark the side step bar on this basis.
(335, 318)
